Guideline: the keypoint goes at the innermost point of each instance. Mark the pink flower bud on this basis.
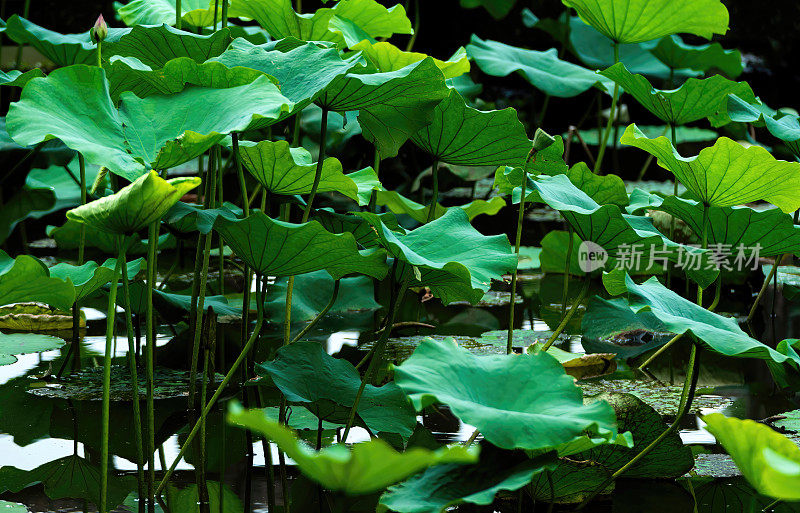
(99, 31)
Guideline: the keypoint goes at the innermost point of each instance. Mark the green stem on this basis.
(517, 243)
(25, 13)
(178, 17)
(611, 115)
(287, 319)
(661, 349)
(764, 288)
(435, 194)
(413, 39)
(82, 241)
(137, 415)
(224, 20)
(704, 238)
(323, 139)
(100, 54)
(565, 320)
(717, 294)
(321, 314)
(150, 338)
(567, 266)
(221, 388)
(112, 309)
(373, 198)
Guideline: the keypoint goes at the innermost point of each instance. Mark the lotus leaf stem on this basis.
(435, 194)
(321, 314)
(660, 350)
(611, 115)
(764, 286)
(323, 139)
(150, 339)
(567, 266)
(572, 309)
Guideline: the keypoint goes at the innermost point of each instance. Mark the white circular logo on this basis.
(591, 256)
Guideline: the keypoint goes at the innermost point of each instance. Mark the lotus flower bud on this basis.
(99, 31)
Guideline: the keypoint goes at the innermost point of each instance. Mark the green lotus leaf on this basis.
(327, 386)
(462, 263)
(90, 277)
(277, 248)
(67, 236)
(366, 468)
(157, 132)
(280, 20)
(22, 205)
(68, 477)
(387, 57)
(63, 181)
(464, 136)
(62, 49)
(220, 497)
(732, 228)
(135, 206)
(607, 320)
(727, 173)
(784, 126)
(636, 21)
(399, 204)
(715, 332)
(25, 343)
(769, 460)
(313, 291)
(442, 486)
(363, 232)
(694, 99)
(26, 279)
(545, 412)
(156, 45)
(393, 106)
(13, 507)
(303, 72)
(596, 51)
(683, 134)
(617, 233)
(174, 306)
(554, 253)
(198, 13)
(18, 78)
(185, 217)
(284, 170)
(497, 8)
(544, 70)
(676, 54)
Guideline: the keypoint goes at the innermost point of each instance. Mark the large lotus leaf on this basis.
(733, 229)
(717, 333)
(62, 49)
(363, 232)
(617, 233)
(596, 51)
(366, 468)
(26, 279)
(313, 291)
(185, 217)
(198, 13)
(460, 265)
(694, 99)
(187, 498)
(174, 306)
(303, 72)
(64, 181)
(284, 170)
(607, 321)
(442, 486)
(22, 205)
(18, 78)
(387, 57)
(784, 126)
(727, 173)
(277, 248)
(328, 386)
(280, 20)
(464, 136)
(636, 21)
(68, 477)
(25, 343)
(155, 46)
(90, 277)
(515, 401)
(393, 106)
(676, 54)
(683, 134)
(399, 204)
(157, 132)
(769, 460)
(135, 206)
(544, 70)
(67, 236)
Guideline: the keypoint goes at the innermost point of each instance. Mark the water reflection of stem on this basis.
(572, 309)
(687, 396)
(224, 383)
(111, 313)
(137, 415)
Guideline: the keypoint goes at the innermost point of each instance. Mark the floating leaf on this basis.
(695, 99)
(36, 318)
(581, 365)
(13, 507)
(462, 263)
(25, 343)
(676, 54)
(769, 460)
(544, 70)
(277, 248)
(636, 21)
(368, 467)
(544, 410)
(328, 386)
(465, 136)
(157, 132)
(135, 206)
(727, 173)
(25, 279)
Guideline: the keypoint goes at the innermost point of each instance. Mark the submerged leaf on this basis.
(367, 467)
(516, 401)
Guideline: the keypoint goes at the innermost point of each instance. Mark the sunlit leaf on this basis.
(25, 279)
